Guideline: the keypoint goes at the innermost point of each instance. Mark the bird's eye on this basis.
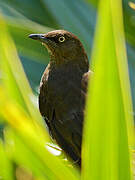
(61, 39)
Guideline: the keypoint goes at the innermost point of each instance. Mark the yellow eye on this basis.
(61, 39)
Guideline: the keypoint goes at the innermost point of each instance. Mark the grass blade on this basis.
(15, 82)
(6, 170)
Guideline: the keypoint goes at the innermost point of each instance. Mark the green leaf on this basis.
(15, 80)
(6, 170)
(20, 29)
(42, 15)
(108, 135)
(38, 160)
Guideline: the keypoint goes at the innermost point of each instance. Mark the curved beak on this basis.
(40, 37)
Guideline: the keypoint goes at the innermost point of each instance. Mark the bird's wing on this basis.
(85, 80)
(71, 124)
(65, 126)
(44, 104)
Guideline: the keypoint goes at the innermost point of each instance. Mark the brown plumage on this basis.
(63, 90)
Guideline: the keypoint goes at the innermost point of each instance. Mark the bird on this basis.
(63, 90)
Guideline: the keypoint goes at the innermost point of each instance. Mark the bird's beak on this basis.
(40, 37)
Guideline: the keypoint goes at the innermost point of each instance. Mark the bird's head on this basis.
(62, 45)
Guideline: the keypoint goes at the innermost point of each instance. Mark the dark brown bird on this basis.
(63, 90)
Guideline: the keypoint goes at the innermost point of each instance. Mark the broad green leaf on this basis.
(108, 135)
